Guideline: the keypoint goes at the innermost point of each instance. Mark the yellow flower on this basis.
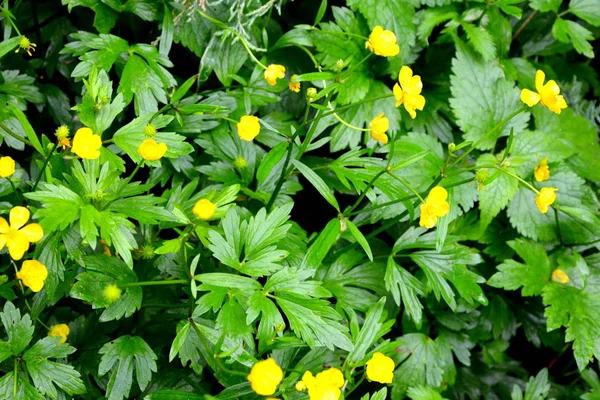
(265, 376)
(545, 198)
(111, 293)
(325, 385)
(382, 43)
(248, 127)
(434, 206)
(26, 45)
(409, 91)
(33, 274)
(17, 237)
(7, 166)
(86, 144)
(204, 209)
(294, 86)
(542, 172)
(559, 276)
(380, 368)
(64, 143)
(61, 330)
(151, 150)
(379, 126)
(274, 72)
(547, 94)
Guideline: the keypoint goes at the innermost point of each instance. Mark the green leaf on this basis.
(538, 387)
(432, 17)
(587, 10)
(496, 195)
(183, 89)
(28, 128)
(9, 45)
(321, 246)
(47, 374)
(531, 276)
(225, 56)
(545, 5)
(19, 330)
(166, 394)
(481, 40)
(482, 97)
(369, 333)
(61, 206)
(105, 18)
(421, 362)
(571, 32)
(404, 286)
(25, 391)
(99, 51)
(359, 238)
(318, 183)
(101, 271)
(270, 160)
(120, 356)
(423, 393)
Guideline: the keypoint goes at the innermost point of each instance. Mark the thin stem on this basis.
(224, 117)
(15, 378)
(362, 378)
(283, 175)
(336, 116)
(14, 188)
(14, 135)
(6, 14)
(560, 238)
(37, 181)
(129, 178)
(154, 283)
(361, 62)
(517, 177)
(364, 192)
(524, 24)
(310, 133)
(343, 34)
(338, 109)
(406, 184)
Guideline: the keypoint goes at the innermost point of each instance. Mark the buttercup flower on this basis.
(26, 45)
(382, 42)
(545, 198)
(204, 209)
(380, 368)
(33, 274)
(379, 126)
(548, 94)
(434, 206)
(111, 293)
(325, 385)
(151, 150)
(86, 144)
(7, 166)
(60, 330)
(64, 143)
(409, 91)
(294, 86)
(274, 72)
(542, 172)
(16, 236)
(559, 276)
(265, 376)
(248, 127)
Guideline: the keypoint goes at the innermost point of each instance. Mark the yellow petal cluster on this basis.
(434, 206)
(26, 45)
(248, 127)
(151, 150)
(541, 171)
(60, 330)
(293, 85)
(382, 42)
(379, 126)
(16, 236)
(380, 368)
(559, 276)
(326, 385)
(274, 72)
(86, 144)
(545, 198)
(7, 166)
(204, 209)
(33, 274)
(265, 376)
(548, 94)
(408, 91)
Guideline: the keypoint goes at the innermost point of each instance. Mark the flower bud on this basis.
(149, 130)
(279, 327)
(147, 252)
(240, 163)
(311, 93)
(62, 132)
(451, 147)
(339, 64)
(111, 293)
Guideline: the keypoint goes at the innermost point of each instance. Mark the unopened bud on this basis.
(340, 64)
(149, 130)
(147, 252)
(62, 132)
(451, 147)
(240, 163)
(111, 293)
(311, 93)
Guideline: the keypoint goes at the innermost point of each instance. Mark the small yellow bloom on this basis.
(62, 132)
(17, 237)
(26, 45)
(64, 143)
(248, 127)
(382, 42)
(542, 172)
(7, 166)
(545, 198)
(434, 206)
(409, 91)
(380, 368)
(265, 376)
(274, 72)
(151, 150)
(325, 385)
(204, 209)
(86, 144)
(60, 330)
(548, 94)
(33, 274)
(111, 293)
(379, 126)
(559, 276)
(294, 86)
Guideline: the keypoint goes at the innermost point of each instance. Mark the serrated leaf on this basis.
(587, 10)
(369, 333)
(19, 330)
(318, 183)
(422, 362)
(568, 31)
(481, 40)
(404, 287)
(359, 238)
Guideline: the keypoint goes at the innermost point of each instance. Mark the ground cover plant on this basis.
(272, 199)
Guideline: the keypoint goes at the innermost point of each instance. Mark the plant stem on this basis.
(46, 161)
(154, 283)
(14, 188)
(560, 238)
(15, 378)
(343, 34)
(406, 184)
(361, 62)
(224, 117)
(283, 175)
(364, 192)
(338, 109)
(341, 120)
(14, 135)
(524, 24)
(129, 178)
(518, 178)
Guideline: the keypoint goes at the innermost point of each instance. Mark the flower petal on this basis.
(3, 240)
(405, 76)
(3, 225)
(33, 232)
(540, 76)
(18, 217)
(529, 97)
(398, 94)
(18, 245)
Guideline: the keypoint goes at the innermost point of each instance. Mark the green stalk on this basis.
(14, 135)
(283, 175)
(518, 178)
(154, 283)
(46, 161)
(364, 192)
(338, 109)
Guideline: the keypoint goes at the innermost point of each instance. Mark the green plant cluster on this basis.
(298, 209)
